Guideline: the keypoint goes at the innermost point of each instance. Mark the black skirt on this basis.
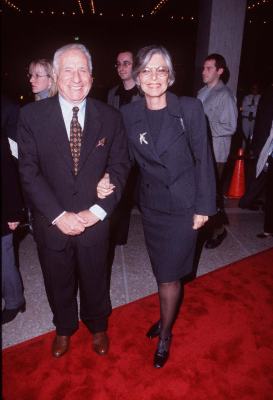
(170, 242)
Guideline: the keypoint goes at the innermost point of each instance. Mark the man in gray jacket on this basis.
(221, 110)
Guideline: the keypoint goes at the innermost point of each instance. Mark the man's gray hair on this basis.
(145, 54)
(71, 46)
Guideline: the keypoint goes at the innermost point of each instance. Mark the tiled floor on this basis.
(131, 276)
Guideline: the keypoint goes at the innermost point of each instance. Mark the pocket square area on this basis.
(101, 142)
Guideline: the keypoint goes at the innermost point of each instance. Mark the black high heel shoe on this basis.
(9, 315)
(154, 331)
(162, 352)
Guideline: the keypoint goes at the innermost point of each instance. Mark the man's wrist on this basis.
(59, 216)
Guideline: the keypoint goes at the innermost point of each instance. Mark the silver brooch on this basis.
(142, 138)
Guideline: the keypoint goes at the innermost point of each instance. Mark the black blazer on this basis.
(46, 166)
(12, 203)
(9, 117)
(180, 174)
(263, 122)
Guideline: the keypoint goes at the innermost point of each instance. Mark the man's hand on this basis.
(105, 188)
(199, 221)
(88, 218)
(70, 224)
(13, 225)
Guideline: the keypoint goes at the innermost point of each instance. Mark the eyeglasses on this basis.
(161, 72)
(123, 64)
(36, 76)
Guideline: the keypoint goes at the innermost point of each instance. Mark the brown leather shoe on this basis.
(60, 345)
(100, 343)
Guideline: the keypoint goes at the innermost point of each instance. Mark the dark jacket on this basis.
(9, 117)
(180, 174)
(46, 166)
(113, 98)
(263, 121)
(12, 204)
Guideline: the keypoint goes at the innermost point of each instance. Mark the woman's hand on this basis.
(199, 221)
(105, 187)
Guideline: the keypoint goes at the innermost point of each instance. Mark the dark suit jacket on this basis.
(46, 167)
(179, 175)
(113, 98)
(9, 117)
(12, 204)
(263, 121)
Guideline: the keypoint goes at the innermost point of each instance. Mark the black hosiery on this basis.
(170, 296)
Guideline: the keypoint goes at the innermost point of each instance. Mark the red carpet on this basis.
(222, 348)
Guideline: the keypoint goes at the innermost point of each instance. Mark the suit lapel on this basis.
(172, 126)
(169, 132)
(91, 131)
(57, 131)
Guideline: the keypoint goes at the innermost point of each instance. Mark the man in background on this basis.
(11, 214)
(126, 91)
(122, 94)
(249, 109)
(221, 110)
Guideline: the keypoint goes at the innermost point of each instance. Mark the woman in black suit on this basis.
(168, 140)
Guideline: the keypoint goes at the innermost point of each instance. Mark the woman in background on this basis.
(41, 79)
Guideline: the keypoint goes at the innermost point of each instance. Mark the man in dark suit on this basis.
(11, 215)
(263, 122)
(66, 144)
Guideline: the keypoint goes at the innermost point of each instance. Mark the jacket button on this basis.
(147, 185)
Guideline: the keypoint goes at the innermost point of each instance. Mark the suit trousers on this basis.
(248, 127)
(77, 267)
(12, 288)
(216, 222)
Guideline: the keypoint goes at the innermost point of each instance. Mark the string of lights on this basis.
(101, 14)
(159, 5)
(92, 6)
(264, 22)
(256, 6)
(80, 5)
(12, 5)
(252, 6)
(258, 3)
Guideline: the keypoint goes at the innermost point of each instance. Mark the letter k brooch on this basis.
(142, 138)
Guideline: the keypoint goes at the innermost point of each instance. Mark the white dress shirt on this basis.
(67, 113)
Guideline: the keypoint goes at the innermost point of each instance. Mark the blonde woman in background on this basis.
(41, 79)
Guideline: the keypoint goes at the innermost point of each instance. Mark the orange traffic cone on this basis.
(237, 184)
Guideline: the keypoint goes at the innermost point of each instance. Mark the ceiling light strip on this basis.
(258, 3)
(159, 5)
(92, 6)
(12, 5)
(80, 5)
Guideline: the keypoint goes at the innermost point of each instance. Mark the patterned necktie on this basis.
(75, 139)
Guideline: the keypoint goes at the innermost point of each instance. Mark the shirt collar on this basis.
(68, 106)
